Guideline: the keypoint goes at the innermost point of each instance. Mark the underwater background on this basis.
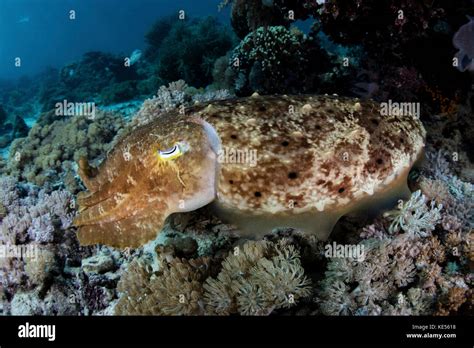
(115, 65)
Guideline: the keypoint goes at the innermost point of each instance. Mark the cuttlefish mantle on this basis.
(263, 162)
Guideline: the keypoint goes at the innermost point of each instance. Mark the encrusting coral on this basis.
(255, 279)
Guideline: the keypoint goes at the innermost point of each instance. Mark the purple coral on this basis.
(32, 216)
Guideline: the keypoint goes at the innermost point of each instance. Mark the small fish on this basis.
(261, 162)
(135, 56)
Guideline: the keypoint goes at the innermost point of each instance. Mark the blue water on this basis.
(41, 33)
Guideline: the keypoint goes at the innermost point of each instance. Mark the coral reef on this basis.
(84, 80)
(32, 217)
(43, 271)
(464, 42)
(155, 36)
(417, 257)
(46, 153)
(405, 270)
(255, 279)
(247, 16)
(11, 130)
(414, 217)
(274, 59)
(190, 49)
(416, 31)
(170, 97)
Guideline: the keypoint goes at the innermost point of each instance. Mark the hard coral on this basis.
(276, 60)
(41, 156)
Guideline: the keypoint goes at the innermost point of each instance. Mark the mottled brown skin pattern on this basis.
(316, 155)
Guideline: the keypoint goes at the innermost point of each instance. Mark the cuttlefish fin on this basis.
(253, 226)
(131, 232)
(87, 173)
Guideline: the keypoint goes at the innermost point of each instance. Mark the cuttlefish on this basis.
(261, 162)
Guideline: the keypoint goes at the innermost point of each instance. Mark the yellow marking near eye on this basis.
(166, 158)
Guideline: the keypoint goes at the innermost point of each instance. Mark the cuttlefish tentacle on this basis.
(130, 232)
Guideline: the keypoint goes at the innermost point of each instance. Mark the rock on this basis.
(7, 128)
(20, 129)
(3, 116)
(5, 140)
(98, 264)
(183, 247)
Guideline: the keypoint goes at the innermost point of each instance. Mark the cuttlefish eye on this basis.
(177, 150)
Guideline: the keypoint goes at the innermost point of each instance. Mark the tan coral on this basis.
(455, 297)
(175, 290)
(257, 280)
(254, 279)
